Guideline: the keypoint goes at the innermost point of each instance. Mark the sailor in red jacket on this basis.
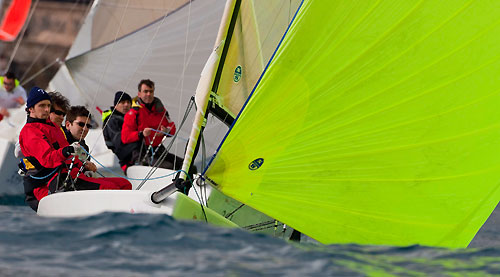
(49, 157)
(147, 115)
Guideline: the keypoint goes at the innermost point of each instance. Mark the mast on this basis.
(208, 83)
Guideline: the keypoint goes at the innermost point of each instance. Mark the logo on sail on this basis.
(255, 164)
(237, 74)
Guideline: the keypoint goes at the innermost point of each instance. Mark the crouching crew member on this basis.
(112, 130)
(49, 157)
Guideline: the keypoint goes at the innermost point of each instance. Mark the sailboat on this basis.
(372, 122)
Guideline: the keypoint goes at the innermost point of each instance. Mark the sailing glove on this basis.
(78, 151)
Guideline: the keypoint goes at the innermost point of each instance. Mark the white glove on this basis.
(79, 151)
(89, 174)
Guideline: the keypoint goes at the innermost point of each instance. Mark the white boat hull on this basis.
(91, 202)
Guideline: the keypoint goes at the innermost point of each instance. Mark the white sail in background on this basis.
(170, 51)
(110, 19)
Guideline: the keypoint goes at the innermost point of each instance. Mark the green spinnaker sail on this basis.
(259, 26)
(377, 122)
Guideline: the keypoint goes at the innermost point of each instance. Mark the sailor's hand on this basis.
(79, 151)
(166, 130)
(20, 100)
(4, 112)
(90, 166)
(146, 132)
(89, 174)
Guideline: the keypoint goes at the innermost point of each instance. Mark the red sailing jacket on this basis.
(140, 117)
(44, 141)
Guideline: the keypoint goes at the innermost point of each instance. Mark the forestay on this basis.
(376, 122)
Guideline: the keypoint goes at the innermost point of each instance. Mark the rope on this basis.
(264, 225)
(167, 149)
(48, 175)
(235, 210)
(136, 68)
(123, 176)
(168, 135)
(105, 69)
(39, 72)
(59, 28)
(183, 73)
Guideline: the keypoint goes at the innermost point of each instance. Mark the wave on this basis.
(12, 199)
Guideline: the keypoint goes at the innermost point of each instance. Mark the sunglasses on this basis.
(81, 124)
(58, 112)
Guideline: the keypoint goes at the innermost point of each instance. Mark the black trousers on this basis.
(149, 157)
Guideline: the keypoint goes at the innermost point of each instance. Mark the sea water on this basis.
(115, 244)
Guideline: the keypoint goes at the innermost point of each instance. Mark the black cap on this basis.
(125, 96)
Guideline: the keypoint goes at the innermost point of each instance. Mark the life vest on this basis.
(105, 116)
(16, 81)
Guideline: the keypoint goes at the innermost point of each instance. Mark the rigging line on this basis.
(235, 210)
(39, 72)
(59, 29)
(203, 160)
(168, 135)
(144, 55)
(189, 59)
(105, 69)
(182, 75)
(46, 176)
(269, 223)
(184, 65)
(167, 149)
(263, 228)
(136, 68)
(123, 176)
(202, 194)
(22, 35)
(197, 195)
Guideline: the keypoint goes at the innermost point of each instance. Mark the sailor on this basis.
(49, 157)
(112, 129)
(59, 107)
(12, 94)
(77, 125)
(142, 122)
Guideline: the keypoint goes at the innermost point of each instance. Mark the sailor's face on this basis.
(123, 106)
(79, 128)
(9, 84)
(147, 94)
(57, 115)
(41, 110)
